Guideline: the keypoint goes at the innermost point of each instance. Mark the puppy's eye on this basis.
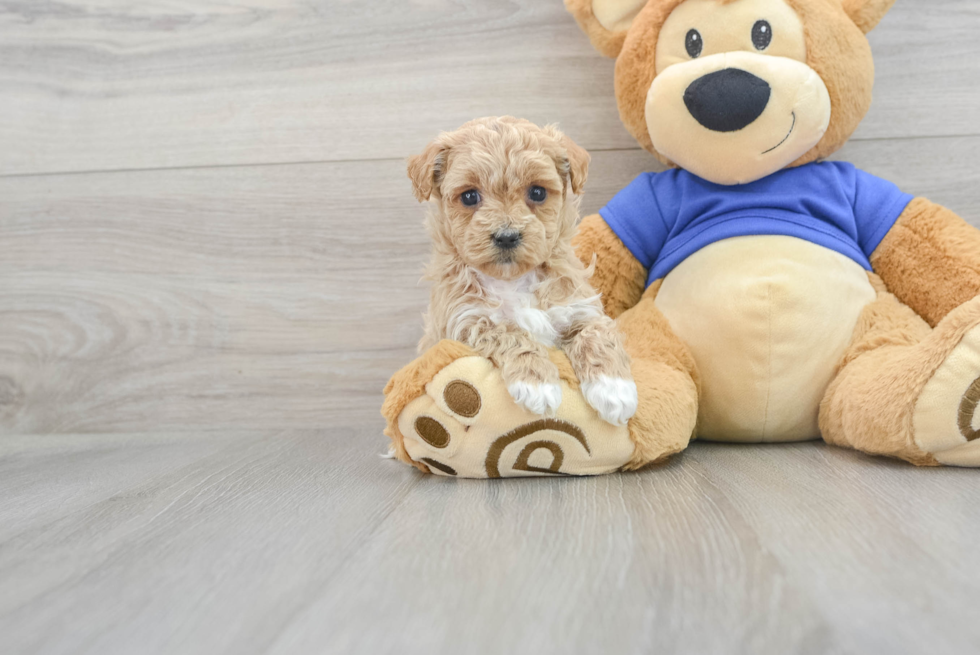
(537, 194)
(761, 35)
(694, 44)
(470, 198)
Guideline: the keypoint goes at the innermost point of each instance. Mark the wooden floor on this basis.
(209, 264)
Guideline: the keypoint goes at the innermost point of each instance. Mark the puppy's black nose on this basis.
(727, 100)
(507, 239)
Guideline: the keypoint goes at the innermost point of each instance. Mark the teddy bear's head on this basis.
(735, 90)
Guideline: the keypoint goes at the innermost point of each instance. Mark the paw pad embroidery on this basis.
(467, 425)
(462, 398)
(522, 463)
(968, 412)
(439, 466)
(946, 421)
(432, 432)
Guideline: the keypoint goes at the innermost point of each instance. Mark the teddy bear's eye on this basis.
(470, 198)
(761, 35)
(694, 44)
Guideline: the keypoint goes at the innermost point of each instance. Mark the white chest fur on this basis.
(516, 302)
(767, 319)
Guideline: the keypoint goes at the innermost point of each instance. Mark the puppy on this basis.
(506, 280)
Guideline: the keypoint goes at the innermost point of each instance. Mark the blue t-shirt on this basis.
(664, 218)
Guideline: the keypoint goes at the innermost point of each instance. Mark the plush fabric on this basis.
(664, 218)
(930, 260)
(769, 106)
(873, 403)
(607, 38)
(408, 384)
(866, 13)
(942, 419)
(768, 114)
(667, 380)
(467, 425)
(622, 279)
(767, 319)
(836, 50)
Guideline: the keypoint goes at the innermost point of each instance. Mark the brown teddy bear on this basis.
(764, 294)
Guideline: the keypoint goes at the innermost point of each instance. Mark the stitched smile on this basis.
(791, 128)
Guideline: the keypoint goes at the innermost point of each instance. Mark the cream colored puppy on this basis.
(506, 281)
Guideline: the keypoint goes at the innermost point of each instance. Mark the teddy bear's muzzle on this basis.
(728, 100)
(735, 117)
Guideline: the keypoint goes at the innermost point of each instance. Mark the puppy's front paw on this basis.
(614, 398)
(542, 399)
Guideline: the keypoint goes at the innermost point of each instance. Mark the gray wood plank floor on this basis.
(210, 263)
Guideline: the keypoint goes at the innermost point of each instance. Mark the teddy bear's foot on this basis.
(946, 420)
(909, 391)
(465, 423)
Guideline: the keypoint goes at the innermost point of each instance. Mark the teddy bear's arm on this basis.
(618, 276)
(930, 259)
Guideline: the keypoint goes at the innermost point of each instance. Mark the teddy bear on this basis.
(764, 294)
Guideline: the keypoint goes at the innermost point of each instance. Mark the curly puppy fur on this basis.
(510, 301)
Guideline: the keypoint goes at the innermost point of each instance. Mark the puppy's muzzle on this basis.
(507, 239)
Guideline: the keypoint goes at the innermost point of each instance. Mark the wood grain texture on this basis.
(117, 84)
(256, 297)
(305, 541)
(209, 266)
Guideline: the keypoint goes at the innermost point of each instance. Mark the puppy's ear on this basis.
(578, 165)
(425, 170)
(574, 164)
(606, 22)
(867, 13)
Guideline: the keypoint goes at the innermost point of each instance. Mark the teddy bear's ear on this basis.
(425, 169)
(605, 21)
(867, 13)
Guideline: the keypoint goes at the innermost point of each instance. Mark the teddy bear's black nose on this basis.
(727, 100)
(507, 239)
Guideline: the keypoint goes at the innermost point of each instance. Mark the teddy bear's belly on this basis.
(767, 319)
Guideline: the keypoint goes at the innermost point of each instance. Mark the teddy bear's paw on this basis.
(467, 424)
(946, 421)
